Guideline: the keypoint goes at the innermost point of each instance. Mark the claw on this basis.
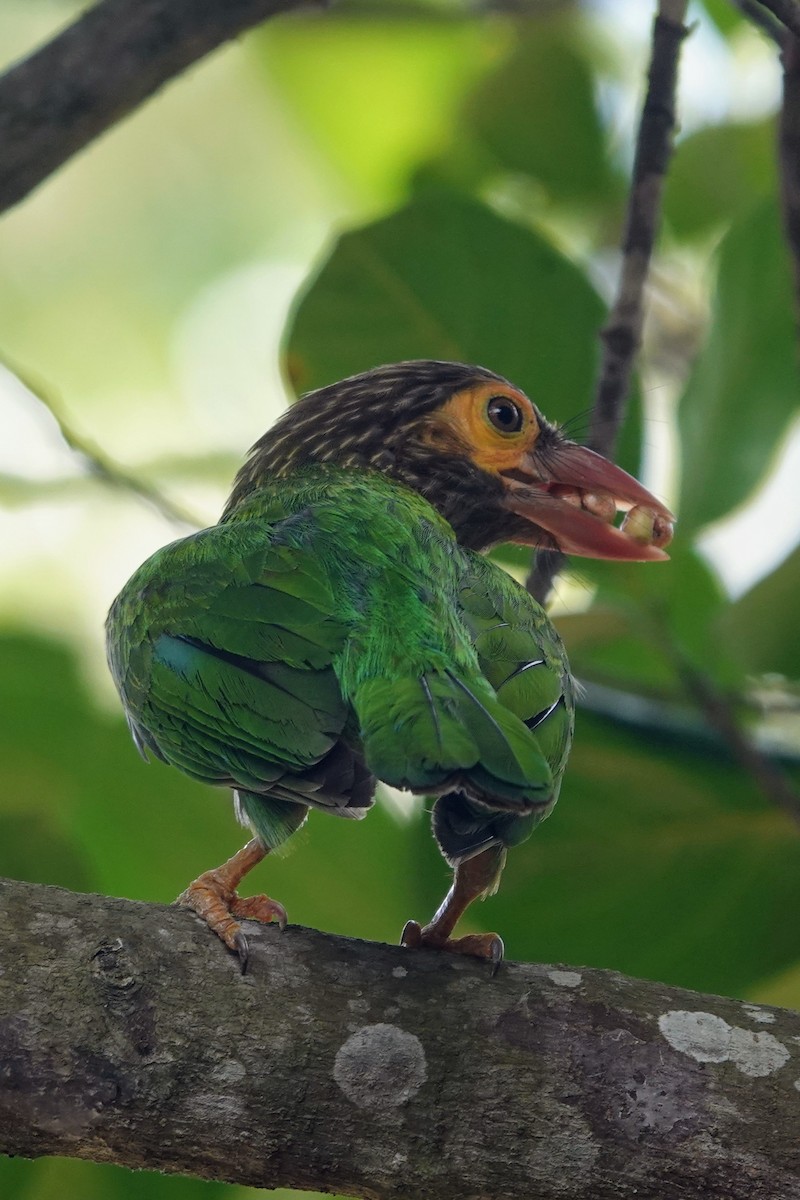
(496, 952)
(259, 908)
(411, 935)
(241, 947)
(477, 945)
(213, 897)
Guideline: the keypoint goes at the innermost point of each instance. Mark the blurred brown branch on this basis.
(787, 12)
(99, 69)
(720, 714)
(621, 334)
(763, 18)
(128, 1035)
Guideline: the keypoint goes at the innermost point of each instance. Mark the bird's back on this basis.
(332, 630)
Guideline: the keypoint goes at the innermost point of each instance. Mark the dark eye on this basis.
(504, 414)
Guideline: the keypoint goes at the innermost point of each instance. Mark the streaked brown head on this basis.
(478, 450)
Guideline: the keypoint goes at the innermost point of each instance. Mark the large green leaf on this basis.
(660, 861)
(725, 16)
(445, 277)
(697, 199)
(761, 627)
(745, 387)
(646, 619)
(536, 114)
(376, 96)
(782, 989)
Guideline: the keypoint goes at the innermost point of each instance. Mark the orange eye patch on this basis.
(493, 423)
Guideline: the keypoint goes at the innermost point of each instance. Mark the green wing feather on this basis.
(222, 646)
(333, 632)
(446, 729)
(521, 656)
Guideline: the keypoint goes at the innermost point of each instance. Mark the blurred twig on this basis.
(786, 11)
(789, 155)
(720, 715)
(621, 333)
(98, 463)
(761, 17)
(99, 69)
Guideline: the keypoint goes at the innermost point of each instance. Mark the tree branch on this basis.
(718, 711)
(787, 12)
(761, 17)
(128, 1035)
(101, 68)
(98, 463)
(621, 334)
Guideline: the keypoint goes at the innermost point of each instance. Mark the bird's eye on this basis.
(504, 414)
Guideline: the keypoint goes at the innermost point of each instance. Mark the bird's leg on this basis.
(213, 897)
(473, 878)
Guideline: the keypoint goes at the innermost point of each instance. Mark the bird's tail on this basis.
(444, 731)
(464, 827)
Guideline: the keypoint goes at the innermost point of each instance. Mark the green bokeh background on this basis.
(337, 190)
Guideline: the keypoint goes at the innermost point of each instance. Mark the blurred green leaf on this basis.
(536, 114)
(658, 862)
(782, 990)
(377, 96)
(725, 15)
(445, 277)
(71, 1179)
(646, 617)
(745, 386)
(697, 199)
(761, 626)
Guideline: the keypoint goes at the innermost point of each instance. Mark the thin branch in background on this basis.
(719, 713)
(99, 69)
(621, 335)
(762, 18)
(100, 464)
(789, 155)
(787, 12)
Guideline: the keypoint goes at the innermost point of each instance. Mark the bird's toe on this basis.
(216, 903)
(259, 908)
(411, 935)
(476, 945)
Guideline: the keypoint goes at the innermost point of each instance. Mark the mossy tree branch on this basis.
(128, 1035)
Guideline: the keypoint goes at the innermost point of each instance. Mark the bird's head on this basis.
(477, 449)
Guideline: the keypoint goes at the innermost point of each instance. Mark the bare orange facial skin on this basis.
(464, 424)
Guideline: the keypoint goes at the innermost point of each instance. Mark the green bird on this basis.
(340, 626)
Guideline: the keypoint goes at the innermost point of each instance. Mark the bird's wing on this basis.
(429, 717)
(221, 646)
(521, 655)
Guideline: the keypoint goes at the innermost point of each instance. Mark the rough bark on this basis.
(116, 55)
(128, 1035)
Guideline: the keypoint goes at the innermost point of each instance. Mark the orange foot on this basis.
(479, 945)
(213, 899)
